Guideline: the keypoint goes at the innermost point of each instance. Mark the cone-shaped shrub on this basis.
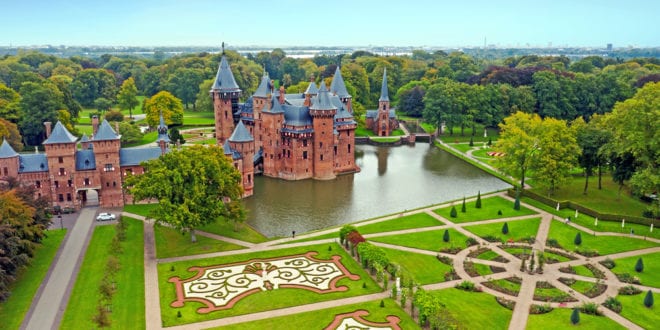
(505, 228)
(453, 212)
(575, 316)
(478, 205)
(471, 142)
(639, 266)
(516, 204)
(463, 206)
(445, 237)
(578, 239)
(648, 299)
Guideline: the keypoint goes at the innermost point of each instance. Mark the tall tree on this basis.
(184, 84)
(558, 153)
(194, 186)
(90, 84)
(203, 101)
(9, 104)
(39, 103)
(9, 131)
(171, 107)
(63, 84)
(520, 143)
(591, 138)
(127, 96)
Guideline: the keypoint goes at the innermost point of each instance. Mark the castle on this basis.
(286, 136)
(383, 120)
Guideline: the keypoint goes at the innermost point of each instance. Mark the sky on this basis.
(416, 23)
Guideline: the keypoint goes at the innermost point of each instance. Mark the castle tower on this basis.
(9, 161)
(338, 87)
(323, 112)
(225, 93)
(311, 91)
(273, 120)
(382, 126)
(163, 139)
(106, 144)
(60, 153)
(243, 142)
(260, 103)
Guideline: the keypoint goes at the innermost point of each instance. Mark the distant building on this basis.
(609, 47)
(286, 136)
(383, 120)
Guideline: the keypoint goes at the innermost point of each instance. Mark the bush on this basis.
(613, 304)
(382, 303)
(478, 204)
(445, 236)
(114, 115)
(627, 278)
(472, 141)
(575, 316)
(540, 309)
(463, 209)
(490, 142)
(551, 242)
(344, 231)
(648, 300)
(471, 241)
(590, 308)
(639, 266)
(491, 238)
(629, 290)
(466, 285)
(499, 212)
(587, 252)
(608, 263)
(505, 228)
(578, 239)
(453, 212)
(516, 204)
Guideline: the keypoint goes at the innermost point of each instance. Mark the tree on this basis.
(184, 83)
(505, 229)
(411, 101)
(453, 212)
(578, 239)
(194, 186)
(39, 103)
(171, 107)
(478, 203)
(648, 299)
(9, 104)
(90, 84)
(639, 266)
(102, 104)
(127, 96)
(63, 84)
(114, 115)
(575, 316)
(130, 133)
(516, 203)
(9, 131)
(519, 142)
(591, 138)
(176, 137)
(558, 153)
(463, 208)
(445, 236)
(203, 101)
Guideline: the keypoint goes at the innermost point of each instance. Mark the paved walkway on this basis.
(48, 307)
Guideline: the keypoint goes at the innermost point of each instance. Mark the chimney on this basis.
(282, 91)
(95, 124)
(272, 86)
(47, 124)
(117, 127)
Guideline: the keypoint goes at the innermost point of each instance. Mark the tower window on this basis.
(68, 197)
(60, 197)
(5, 171)
(60, 160)
(37, 184)
(87, 182)
(57, 184)
(321, 157)
(304, 154)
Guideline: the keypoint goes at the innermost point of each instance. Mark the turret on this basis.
(242, 141)
(338, 87)
(383, 123)
(106, 145)
(9, 161)
(323, 112)
(225, 93)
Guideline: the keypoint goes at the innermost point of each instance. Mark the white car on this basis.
(105, 217)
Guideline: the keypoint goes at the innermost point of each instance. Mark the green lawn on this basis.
(488, 210)
(146, 139)
(493, 134)
(583, 271)
(503, 283)
(488, 255)
(129, 296)
(650, 276)
(417, 220)
(12, 311)
(423, 268)
(262, 301)
(462, 147)
(517, 229)
(550, 293)
(321, 319)
(557, 257)
(635, 311)
(560, 318)
(474, 310)
(427, 240)
(582, 286)
(385, 139)
(482, 269)
(314, 238)
(170, 243)
(565, 235)
(363, 131)
(198, 118)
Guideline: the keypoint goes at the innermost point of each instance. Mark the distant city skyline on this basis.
(514, 23)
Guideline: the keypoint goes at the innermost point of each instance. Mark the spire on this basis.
(224, 79)
(322, 101)
(277, 107)
(338, 87)
(384, 95)
(6, 151)
(241, 134)
(312, 89)
(60, 135)
(264, 86)
(105, 132)
(162, 129)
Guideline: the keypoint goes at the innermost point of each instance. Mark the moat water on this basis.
(392, 179)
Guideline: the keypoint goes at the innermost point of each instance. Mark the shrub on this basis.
(463, 209)
(589, 308)
(478, 204)
(578, 239)
(453, 212)
(587, 252)
(466, 285)
(540, 309)
(516, 204)
(553, 243)
(490, 142)
(613, 304)
(627, 278)
(639, 266)
(505, 228)
(575, 316)
(491, 238)
(382, 303)
(178, 314)
(445, 260)
(506, 303)
(608, 263)
(648, 299)
(472, 141)
(499, 212)
(114, 115)
(364, 285)
(344, 231)
(445, 236)
(629, 290)
(470, 241)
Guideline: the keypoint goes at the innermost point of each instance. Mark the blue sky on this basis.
(330, 22)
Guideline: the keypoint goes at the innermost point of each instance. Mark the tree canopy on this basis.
(171, 107)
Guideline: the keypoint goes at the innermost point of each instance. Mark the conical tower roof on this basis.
(60, 135)
(162, 129)
(6, 151)
(322, 101)
(241, 134)
(384, 95)
(224, 79)
(312, 89)
(105, 132)
(338, 87)
(264, 86)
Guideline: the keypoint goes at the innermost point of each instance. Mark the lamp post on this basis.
(59, 215)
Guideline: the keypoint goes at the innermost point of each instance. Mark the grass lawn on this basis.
(198, 118)
(583, 271)
(557, 257)
(12, 311)
(517, 229)
(582, 286)
(426, 240)
(635, 311)
(565, 236)
(482, 269)
(322, 318)
(363, 131)
(506, 284)
(550, 293)
(334, 234)
(206, 141)
(429, 128)
(170, 243)
(462, 147)
(146, 139)
(129, 296)
(262, 301)
(417, 220)
(560, 318)
(488, 210)
(493, 134)
(606, 200)
(87, 129)
(385, 138)
(488, 255)
(423, 268)
(650, 276)
(474, 310)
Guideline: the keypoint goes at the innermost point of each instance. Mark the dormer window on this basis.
(108, 168)
(86, 162)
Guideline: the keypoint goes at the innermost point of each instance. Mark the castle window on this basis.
(69, 183)
(349, 148)
(60, 197)
(62, 171)
(60, 160)
(108, 168)
(304, 154)
(320, 144)
(225, 114)
(288, 154)
(335, 150)
(87, 182)
(68, 197)
(5, 171)
(383, 106)
(107, 184)
(57, 184)
(37, 184)
(321, 156)
(114, 183)
(249, 178)
(304, 142)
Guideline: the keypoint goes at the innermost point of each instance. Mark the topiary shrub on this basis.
(648, 299)
(505, 228)
(470, 241)
(114, 115)
(382, 303)
(575, 316)
(516, 204)
(490, 142)
(463, 209)
(499, 212)
(453, 212)
(578, 239)
(445, 236)
(178, 314)
(471, 142)
(639, 266)
(478, 204)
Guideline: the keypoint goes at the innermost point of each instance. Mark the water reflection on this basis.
(391, 180)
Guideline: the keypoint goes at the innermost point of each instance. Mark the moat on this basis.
(391, 180)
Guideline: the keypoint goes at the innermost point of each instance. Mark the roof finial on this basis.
(223, 48)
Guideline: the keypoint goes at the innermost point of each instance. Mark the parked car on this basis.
(105, 217)
(67, 210)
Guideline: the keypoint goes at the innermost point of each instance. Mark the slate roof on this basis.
(162, 130)
(277, 107)
(105, 132)
(312, 89)
(135, 156)
(374, 113)
(241, 134)
(297, 116)
(384, 95)
(322, 100)
(338, 87)
(224, 79)
(85, 160)
(84, 138)
(264, 87)
(60, 135)
(229, 151)
(6, 151)
(32, 163)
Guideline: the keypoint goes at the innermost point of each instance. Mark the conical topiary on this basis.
(445, 236)
(453, 212)
(463, 206)
(478, 205)
(578, 239)
(639, 266)
(505, 228)
(648, 299)
(575, 316)
(516, 204)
